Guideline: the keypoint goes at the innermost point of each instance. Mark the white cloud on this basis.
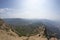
(2, 11)
(5, 10)
(30, 14)
(31, 9)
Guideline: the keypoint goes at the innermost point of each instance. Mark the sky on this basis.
(30, 9)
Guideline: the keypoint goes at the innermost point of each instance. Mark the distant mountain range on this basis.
(19, 21)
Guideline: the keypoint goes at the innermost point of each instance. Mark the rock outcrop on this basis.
(6, 32)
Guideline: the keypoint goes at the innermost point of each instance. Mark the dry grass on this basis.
(10, 36)
(5, 36)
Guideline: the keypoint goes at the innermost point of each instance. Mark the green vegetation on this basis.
(28, 30)
(25, 31)
(33, 29)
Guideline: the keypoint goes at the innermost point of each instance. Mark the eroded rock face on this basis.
(40, 36)
(6, 33)
(37, 37)
(53, 38)
(1, 22)
(4, 26)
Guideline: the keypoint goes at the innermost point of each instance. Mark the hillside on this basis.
(34, 31)
(6, 32)
(29, 26)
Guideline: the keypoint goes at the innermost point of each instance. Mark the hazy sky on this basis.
(32, 9)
